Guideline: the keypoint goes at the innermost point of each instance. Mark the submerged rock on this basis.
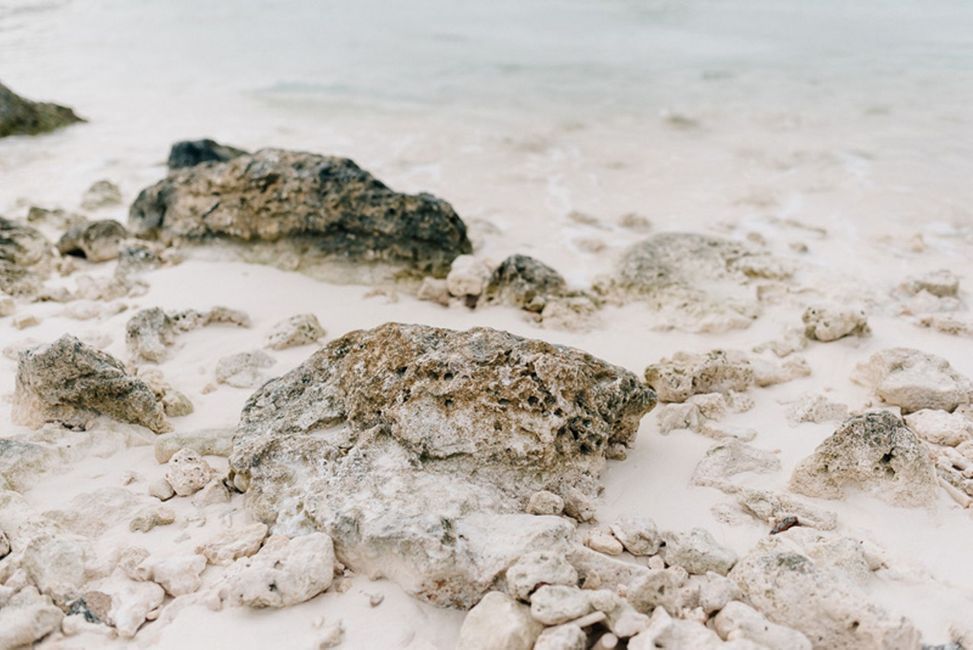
(96, 241)
(19, 116)
(70, 383)
(388, 440)
(188, 153)
(914, 380)
(524, 282)
(321, 205)
(696, 282)
(874, 452)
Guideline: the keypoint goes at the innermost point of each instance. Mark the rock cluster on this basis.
(19, 116)
(318, 205)
(150, 332)
(70, 383)
(417, 448)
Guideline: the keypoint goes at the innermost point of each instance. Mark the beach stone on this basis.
(536, 569)
(69, 382)
(187, 472)
(27, 616)
(467, 276)
(874, 452)
(562, 637)
(685, 374)
(543, 502)
(295, 331)
(940, 427)
(602, 540)
(189, 153)
(697, 552)
(914, 380)
(19, 116)
(322, 205)
(742, 621)
(433, 436)
(434, 290)
(714, 591)
(694, 282)
(638, 535)
(101, 194)
(161, 490)
(176, 404)
(206, 442)
(775, 509)
(826, 323)
(942, 283)
(817, 408)
(96, 241)
(23, 250)
(234, 544)
(498, 622)
(556, 604)
(667, 633)
(148, 518)
(524, 282)
(178, 575)
(7, 307)
(244, 369)
(132, 603)
(792, 590)
(284, 572)
(150, 332)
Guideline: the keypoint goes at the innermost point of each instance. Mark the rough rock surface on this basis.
(874, 452)
(524, 282)
(189, 153)
(101, 194)
(825, 323)
(697, 552)
(234, 544)
(537, 568)
(22, 249)
(791, 589)
(467, 276)
(940, 427)
(292, 332)
(284, 572)
(243, 369)
(151, 331)
(27, 617)
(697, 282)
(739, 620)
(388, 440)
(187, 472)
(19, 116)
(71, 383)
(914, 380)
(96, 241)
(686, 374)
(498, 623)
(324, 205)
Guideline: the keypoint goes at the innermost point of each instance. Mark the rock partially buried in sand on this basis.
(27, 617)
(189, 153)
(19, 116)
(101, 194)
(498, 623)
(388, 439)
(524, 282)
(686, 374)
(295, 331)
(914, 380)
(696, 282)
(96, 241)
(874, 452)
(22, 250)
(70, 383)
(824, 323)
(243, 370)
(150, 332)
(324, 206)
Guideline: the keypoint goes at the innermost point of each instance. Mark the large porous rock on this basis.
(19, 116)
(914, 380)
(685, 374)
(150, 332)
(524, 282)
(22, 251)
(70, 383)
(694, 282)
(823, 602)
(189, 153)
(874, 452)
(418, 448)
(96, 241)
(324, 206)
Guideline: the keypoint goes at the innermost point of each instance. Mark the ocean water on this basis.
(697, 113)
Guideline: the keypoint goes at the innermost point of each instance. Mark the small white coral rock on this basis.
(829, 323)
(942, 284)
(738, 620)
(543, 502)
(638, 535)
(602, 540)
(539, 568)
(874, 452)
(940, 427)
(149, 517)
(562, 637)
(817, 408)
(685, 374)
(556, 604)
(234, 544)
(242, 370)
(697, 552)
(187, 472)
(284, 572)
(27, 617)
(179, 575)
(914, 380)
(295, 331)
(132, 603)
(467, 276)
(434, 290)
(498, 622)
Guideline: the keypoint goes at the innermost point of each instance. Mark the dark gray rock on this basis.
(189, 153)
(19, 116)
